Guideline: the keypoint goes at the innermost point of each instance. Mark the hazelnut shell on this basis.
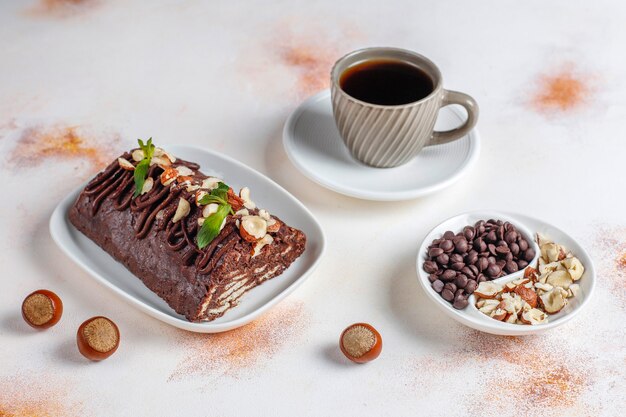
(89, 347)
(54, 310)
(374, 350)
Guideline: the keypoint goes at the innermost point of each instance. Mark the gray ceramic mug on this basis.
(388, 136)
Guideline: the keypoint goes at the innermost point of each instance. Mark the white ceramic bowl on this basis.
(529, 227)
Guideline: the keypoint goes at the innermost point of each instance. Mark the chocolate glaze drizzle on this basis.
(155, 209)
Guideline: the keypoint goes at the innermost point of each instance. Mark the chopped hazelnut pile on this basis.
(542, 291)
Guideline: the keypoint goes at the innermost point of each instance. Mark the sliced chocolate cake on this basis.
(187, 236)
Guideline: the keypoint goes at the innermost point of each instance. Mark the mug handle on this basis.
(455, 97)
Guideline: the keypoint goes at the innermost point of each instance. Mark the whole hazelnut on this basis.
(361, 343)
(42, 309)
(98, 338)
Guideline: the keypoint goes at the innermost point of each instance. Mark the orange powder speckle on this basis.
(562, 91)
(312, 63)
(610, 248)
(37, 145)
(523, 374)
(30, 396)
(61, 8)
(621, 261)
(552, 387)
(7, 126)
(231, 352)
(309, 51)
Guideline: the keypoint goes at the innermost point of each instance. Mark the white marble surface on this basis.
(225, 75)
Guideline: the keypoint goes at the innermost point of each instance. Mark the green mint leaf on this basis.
(140, 174)
(218, 195)
(211, 226)
(221, 191)
(208, 199)
(141, 170)
(221, 187)
(147, 148)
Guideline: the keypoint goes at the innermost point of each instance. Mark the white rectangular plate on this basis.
(265, 192)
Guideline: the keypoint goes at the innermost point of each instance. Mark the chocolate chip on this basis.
(472, 258)
(483, 263)
(529, 254)
(437, 286)
(510, 236)
(461, 281)
(468, 232)
(467, 271)
(471, 286)
(491, 260)
(478, 245)
(514, 248)
(448, 275)
(447, 295)
(491, 236)
(511, 267)
(434, 252)
(461, 246)
(474, 270)
(455, 257)
(523, 244)
(433, 277)
(430, 267)
(481, 278)
(460, 303)
(443, 259)
(492, 249)
(502, 250)
(493, 270)
(457, 266)
(448, 234)
(447, 245)
(521, 264)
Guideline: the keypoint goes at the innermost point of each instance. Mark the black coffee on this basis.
(386, 82)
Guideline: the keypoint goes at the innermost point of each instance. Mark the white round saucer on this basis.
(314, 146)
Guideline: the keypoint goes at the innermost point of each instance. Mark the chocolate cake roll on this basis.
(187, 236)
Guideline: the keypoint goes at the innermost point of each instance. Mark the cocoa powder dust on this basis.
(309, 51)
(231, 353)
(562, 91)
(36, 395)
(610, 247)
(38, 144)
(311, 63)
(526, 375)
(61, 8)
